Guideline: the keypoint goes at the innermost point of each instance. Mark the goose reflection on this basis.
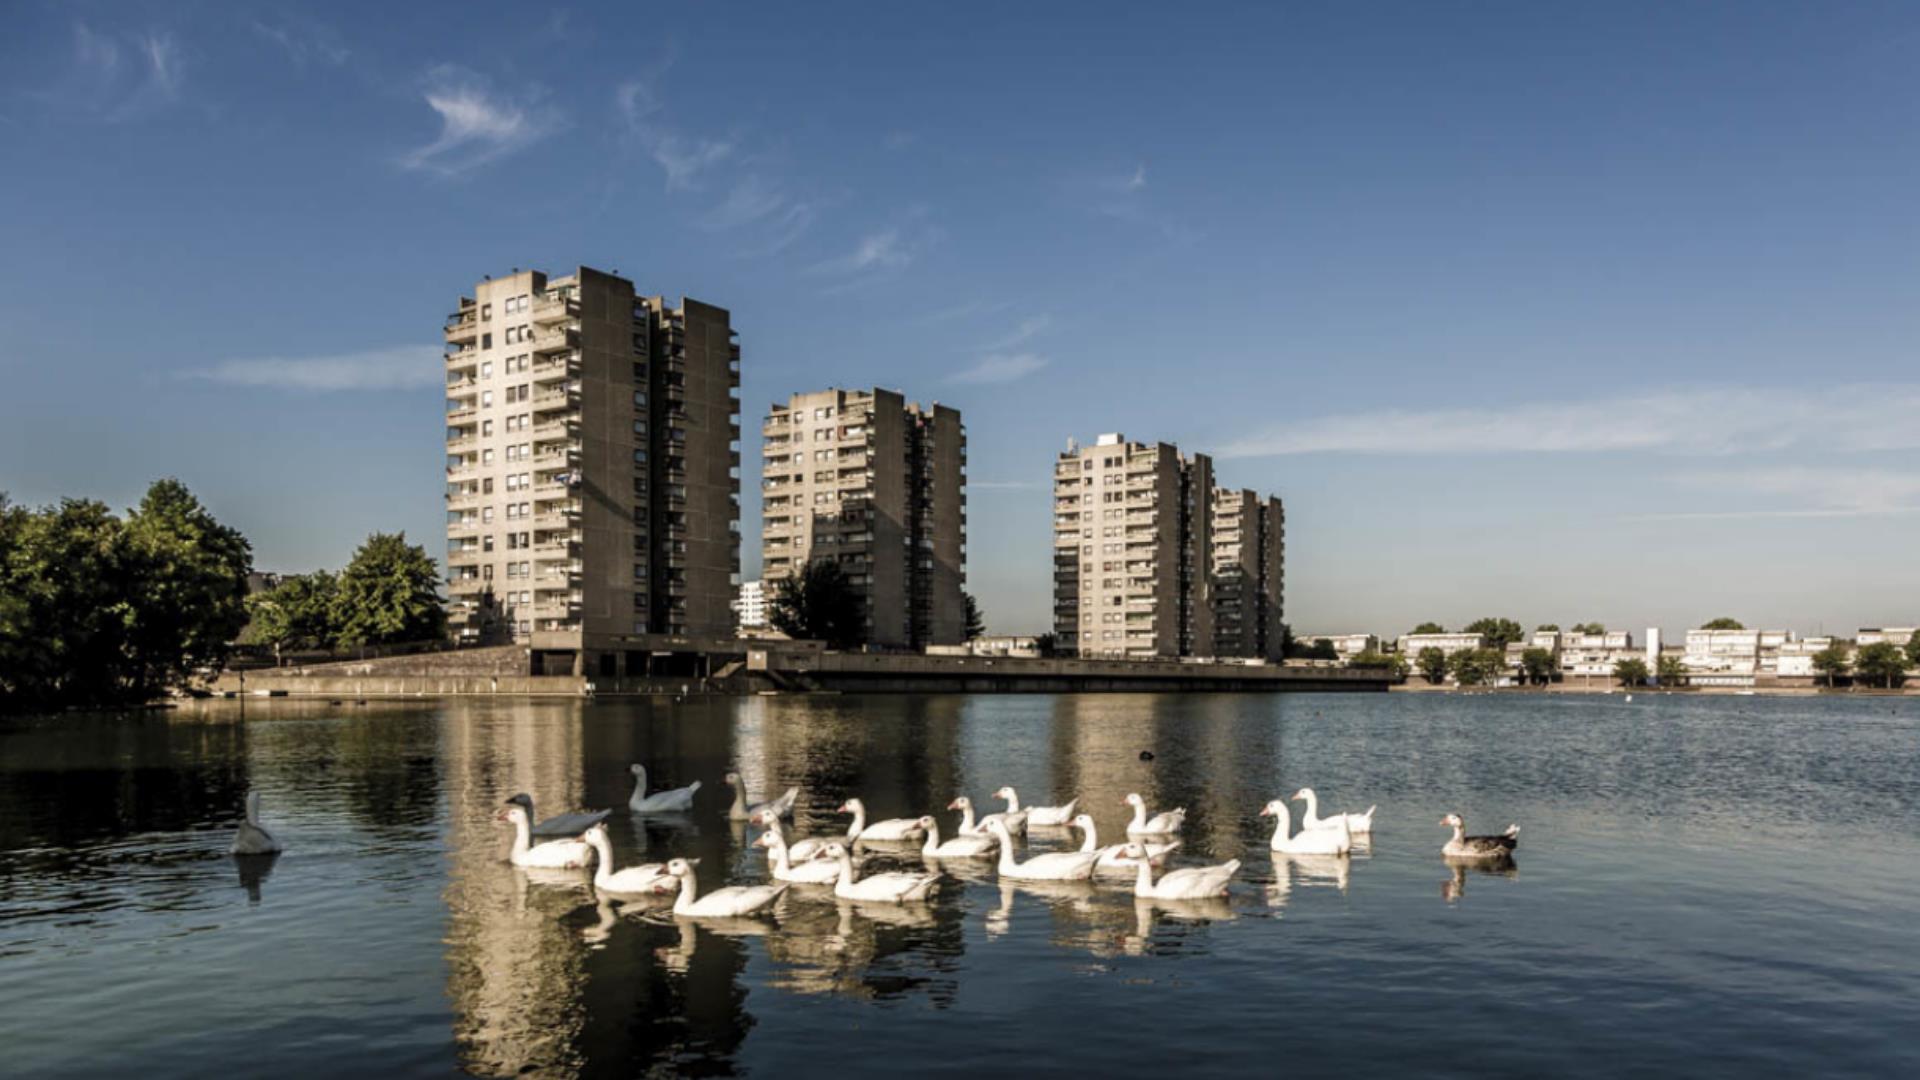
(1307, 870)
(254, 870)
(1149, 913)
(1452, 889)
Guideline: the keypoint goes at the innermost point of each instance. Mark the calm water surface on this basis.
(1705, 885)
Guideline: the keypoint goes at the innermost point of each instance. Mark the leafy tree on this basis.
(1589, 628)
(190, 577)
(1429, 628)
(819, 604)
(1832, 662)
(389, 593)
(1672, 670)
(1547, 628)
(1913, 648)
(1881, 662)
(1432, 663)
(1537, 665)
(1317, 649)
(1476, 667)
(1722, 623)
(1375, 660)
(976, 622)
(1047, 644)
(97, 610)
(299, 613)
(1631, 672)
(1499, 633)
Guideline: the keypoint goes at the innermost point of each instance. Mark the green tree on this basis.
(1832, 662)
(1881, 662)
(188, 574)
(1589, 628)
(1913, 650)
(1722, 623)
(299, 613)
(1547, 628)
(1429, 628)
(1537, 664)
(1319, 649)
(1672, 670)
(819, 604)
(1631, 672)
(1047, 644)
(389, 593)
(1432, 663)
(1499, 633)
(976, 622)
(1476, 667)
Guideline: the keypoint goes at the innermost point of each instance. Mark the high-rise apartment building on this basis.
(878, 485)
(1132, 526)
(1249, 574)
(592, 468)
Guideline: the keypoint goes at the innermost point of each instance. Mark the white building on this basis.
(1892, 635)
(1347, 646)
(750, 607)
(1411, 645)
(1740, 657)
(1595, 655)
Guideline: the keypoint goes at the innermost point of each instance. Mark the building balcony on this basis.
(463, 470)
(566, 394)
(561, 367)
(551, 308)
(564, 427)
(467, 586)
(465, 414)
(558, 340)
(463, 327)
(462, 442)
(463, 500)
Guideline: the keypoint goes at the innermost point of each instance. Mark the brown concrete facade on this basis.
(878, 485)
(592, 464)
(1249, 572)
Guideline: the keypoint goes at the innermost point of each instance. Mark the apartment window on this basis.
(640, 399)
(640, 428)
(486, 513)
(486, 341)
(486, 398)
(639, 485)
(486, 370)
(486, 573)
(486, 427)
(639, 545)
(639, 571)
(486, 457)
(639, 604)
(486, 542)
(486, 311)
(486, 486)
(639, 457)
(639, 373)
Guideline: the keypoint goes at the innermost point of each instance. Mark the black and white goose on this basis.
(1463, 846)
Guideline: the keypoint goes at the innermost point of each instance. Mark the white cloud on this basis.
(1001, 368)
(476, 126)
(400, 367)
(1813, 491)
(682, 157)
(1139, 178)
(119, 78)
(1020, 334)
(1709, 421)
(304, 40)
(883, 249)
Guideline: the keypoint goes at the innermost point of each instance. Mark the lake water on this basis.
(1704, 886)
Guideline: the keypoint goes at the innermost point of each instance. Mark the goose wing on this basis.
(570, 824)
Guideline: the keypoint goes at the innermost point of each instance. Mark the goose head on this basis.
(961, 803)
(1004, 793)
(733, 779)
(851, 806)
(1134, 799)
(1303, 793)
(926, 823)
(514, 813)
(596, 835)
(1083, 822)
(760, 818)
(1453, 821)
(999, 829)
(680, 868)
(836, 851)
(1274, 809)
(1132, 853)
(764, 840)
(639, 771)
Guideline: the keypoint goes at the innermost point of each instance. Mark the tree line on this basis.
(99, 610)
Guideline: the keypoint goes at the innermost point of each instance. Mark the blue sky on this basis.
(1536, 310)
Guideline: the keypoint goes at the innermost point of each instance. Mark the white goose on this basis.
(1337, 840)
(891, 888)
(672, 800)
(798, 851)
(1165, 823)
(550, 855)
(564, 825)
(820, 871)
(960, 847)
(1049, 866)
(1187, 883)
(252, 837)
(730, 901)
(1111, 862)
(901, 828)
(1039, 815)
(1356, 823)
(740, 811)
(648, 878)
(1015, 821)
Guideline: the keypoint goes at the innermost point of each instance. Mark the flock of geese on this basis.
(576, 840)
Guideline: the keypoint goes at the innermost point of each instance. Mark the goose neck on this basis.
(1013, 801)
(1006, 852)
(639, 782)
(522, 834)
(739, 808)
(1092, 842)
(1282, 825)
(1143, 880)
(1139, 813)
(859, 821)
(603, 869)
(933, 839)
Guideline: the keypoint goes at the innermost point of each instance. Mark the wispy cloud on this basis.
(757, 205)
(1125, 198)
(117, 78)
(1027, 329)
(1138, 180)
(1808, 491)
(477, 125)
(304, 40)
(885, 249)
(1001, 368)
(1703, 421)
(400, 367)
(682, 157)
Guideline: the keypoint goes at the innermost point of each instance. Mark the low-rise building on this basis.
(1411, 645)
(1017, 646)
(1891, 635)
(1347, 646)
(1584, 655)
